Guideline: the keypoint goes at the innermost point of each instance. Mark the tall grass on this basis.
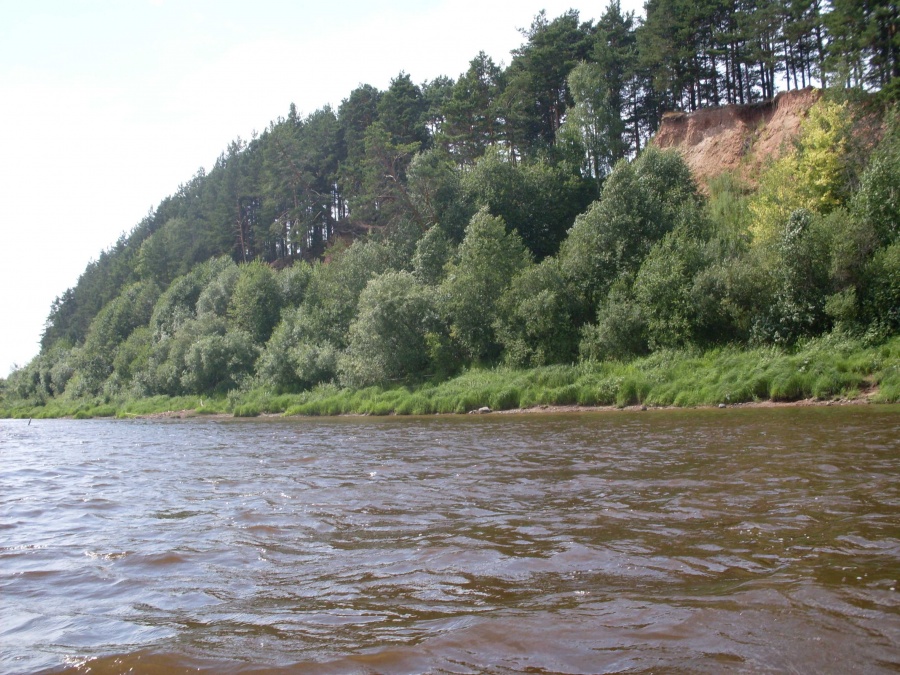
(824, 368)
(821, 369)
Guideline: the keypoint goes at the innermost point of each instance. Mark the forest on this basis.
(518, 219)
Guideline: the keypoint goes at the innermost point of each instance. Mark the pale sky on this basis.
(106, 106)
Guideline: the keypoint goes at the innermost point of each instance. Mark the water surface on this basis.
(686, 541)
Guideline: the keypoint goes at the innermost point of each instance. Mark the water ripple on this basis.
(711, 541)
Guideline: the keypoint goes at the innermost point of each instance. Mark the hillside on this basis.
(511, 217)
(736, 137)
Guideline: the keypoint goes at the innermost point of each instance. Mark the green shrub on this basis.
(505, 399)
(248, 410)
(388, 337)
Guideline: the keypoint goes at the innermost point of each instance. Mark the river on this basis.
(754, 540)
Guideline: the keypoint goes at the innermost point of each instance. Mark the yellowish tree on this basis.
(810, 176)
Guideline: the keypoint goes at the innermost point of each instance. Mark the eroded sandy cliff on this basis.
(736, 137)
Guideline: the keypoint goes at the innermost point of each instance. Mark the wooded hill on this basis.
(513, 215)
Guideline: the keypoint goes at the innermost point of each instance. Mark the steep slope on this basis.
(736, 137)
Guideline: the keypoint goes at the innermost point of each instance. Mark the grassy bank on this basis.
(826, 368)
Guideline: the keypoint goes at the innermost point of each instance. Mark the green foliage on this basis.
(800, 275)
(46, 376)
(114, 323)
(863, 50)
(382, 196)
(94, 360)
(883, 300)
(829, 367)
(810, 177)
(401, 240)
(593, 127)
(433, 252)
(620, 332)
(663, 289)
(435, 193)
(216, 363)
(293, 282)
(851, 241)
(314, 363)
(255, 304)
(276, 367)
(168, 252)
(167, 363)
(355, 114)
(402, 110)
(133, 355)
(534, 317)
(461, 184)
(58, 366)
(334, 289)
(728, 205)
(179, 301)
(536, 199)
(473, 110)
(641, 201)
(388, 337)
(489, 258)
(877, 202)
(215, 297)
(615, 52)
(842, 307)
(290, 362)
(538, 74)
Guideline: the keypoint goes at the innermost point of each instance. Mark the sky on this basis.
(107, 106)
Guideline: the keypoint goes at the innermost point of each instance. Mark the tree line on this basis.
(498, 217)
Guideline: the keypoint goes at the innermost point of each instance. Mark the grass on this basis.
(825, 368)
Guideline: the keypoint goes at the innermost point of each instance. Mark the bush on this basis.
(217, 363)
(332, 296)
(883, 287)
(216, 294)
(535, 318)
(314, 364)
(293, 282)
(289, 362)
(489, 258)
(388, 338)
(663, 290)
(621, 329)
(640, 203)
(255, 304)
(801, 282)
(433, 251)
(810, 177)
(877, 202)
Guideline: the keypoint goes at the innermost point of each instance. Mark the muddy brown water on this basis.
(626, 542)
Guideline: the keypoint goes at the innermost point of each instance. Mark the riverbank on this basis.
(825, 371)
(862, 400)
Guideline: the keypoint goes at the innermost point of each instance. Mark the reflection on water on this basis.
(700, 541)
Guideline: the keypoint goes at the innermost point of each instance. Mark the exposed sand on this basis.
(736, 137)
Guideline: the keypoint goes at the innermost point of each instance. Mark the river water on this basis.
(710, 541)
